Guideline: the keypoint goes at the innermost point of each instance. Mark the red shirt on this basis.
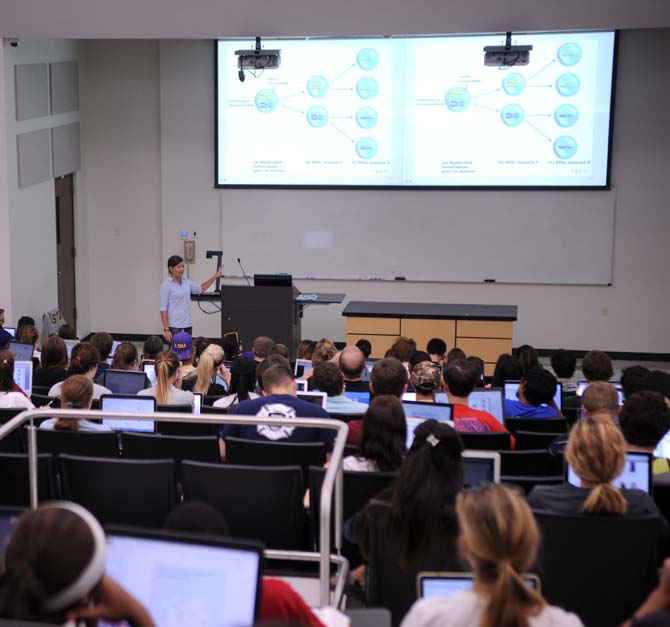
(281, 603)
(467, 419)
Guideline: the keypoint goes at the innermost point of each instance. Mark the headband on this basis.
(92, 574)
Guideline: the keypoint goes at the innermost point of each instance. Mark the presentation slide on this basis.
(420, 111)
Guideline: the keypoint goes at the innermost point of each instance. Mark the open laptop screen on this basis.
(490, 400)
(69, 345)
(636, 474)
(359, 397)
(23, 376)
(187, 580)
(125, 381)
(301, 385)
(149, 369)
(447, 584)
(21, 350)
(436, 411)
(512, 386)
(115, 345)
(480, 467)
(301, 366)
(582, 385)
(128, 404)
(318, 398)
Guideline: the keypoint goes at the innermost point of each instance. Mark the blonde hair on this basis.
(597, 452)
(75, 393)
(324, 350)
(167, 365)
(210, 360)
(502, 539)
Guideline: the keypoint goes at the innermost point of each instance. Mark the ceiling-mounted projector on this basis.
(507, 55)
(258, 59)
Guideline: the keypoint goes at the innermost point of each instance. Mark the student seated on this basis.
(152, 346)
(437, 349)
(507, 368)
(168, 381)
(535, 396)
(76, 393)
(125, 357)
(597, 453)
(279, 401)
(499, 538)
(53, 360)
(644, 420)
(104, 342)
(352, 365)
(383, 442)
(84, 359)
(564, 364)
(203, 378)
(328, 379)
(425, 379)
(242, 383)
(11, 395)
(55, 570)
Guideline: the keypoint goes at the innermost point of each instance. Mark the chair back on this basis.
(600, 567)
(358, 489)
(389, 584)
(208, 409)
(489, 441)
(536, 425)
(538, 463)
(14, 442)
(121, 491)
(527, 483)
(346, 417)
(92, 444)
(259, 453)
(149, 446)
(258, 502)
(14, 482)
(40, 400)
(529, 440)
(184, 429)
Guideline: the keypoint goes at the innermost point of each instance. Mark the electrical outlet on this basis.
(189, 251)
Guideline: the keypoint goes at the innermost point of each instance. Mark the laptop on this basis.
(69, 345)
(197, 403)
(188, 579)
(480, 467)
(412, 424)
(149, 369)
(409, 396)
(128, 404)
(436, 411)
(582, 385)
(490, 400)
(301, 385)
(448, 584)
(512, 386)
(8, 516)
(115, 345)
(636, 474)
(22, 351)
(10, 330)
(367, 371)
(318, 398)
(301, 366)
(359, 397)
(23, 376)
(124, 381)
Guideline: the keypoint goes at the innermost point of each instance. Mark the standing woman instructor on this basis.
(175, 298)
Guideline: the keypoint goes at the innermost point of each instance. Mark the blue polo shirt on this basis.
(176, 300)
(517, 408)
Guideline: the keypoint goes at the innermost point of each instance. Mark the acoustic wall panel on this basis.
(34, 163)
(32, 91)
(64, 87)
(65, 147)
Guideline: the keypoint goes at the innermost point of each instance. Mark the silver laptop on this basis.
(23, 376)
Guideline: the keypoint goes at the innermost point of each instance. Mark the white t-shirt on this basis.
(15, 400)
(98, 390)
(359, 464)
(84, 425)
(466, 609)
(175, 395)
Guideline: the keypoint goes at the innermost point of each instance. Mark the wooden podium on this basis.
(482, 330)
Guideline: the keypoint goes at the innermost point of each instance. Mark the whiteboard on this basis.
(546, 237)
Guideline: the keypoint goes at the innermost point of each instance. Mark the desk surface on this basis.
(302, 299)
(446, 311)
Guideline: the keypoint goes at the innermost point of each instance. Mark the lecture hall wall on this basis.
(147, 145)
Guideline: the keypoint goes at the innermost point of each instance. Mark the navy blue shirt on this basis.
(279, 406)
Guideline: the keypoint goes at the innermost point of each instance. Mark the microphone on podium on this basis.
(244, 274)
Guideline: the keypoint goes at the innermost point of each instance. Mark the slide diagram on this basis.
(496, 124)
(418, 111)
(325, 109)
